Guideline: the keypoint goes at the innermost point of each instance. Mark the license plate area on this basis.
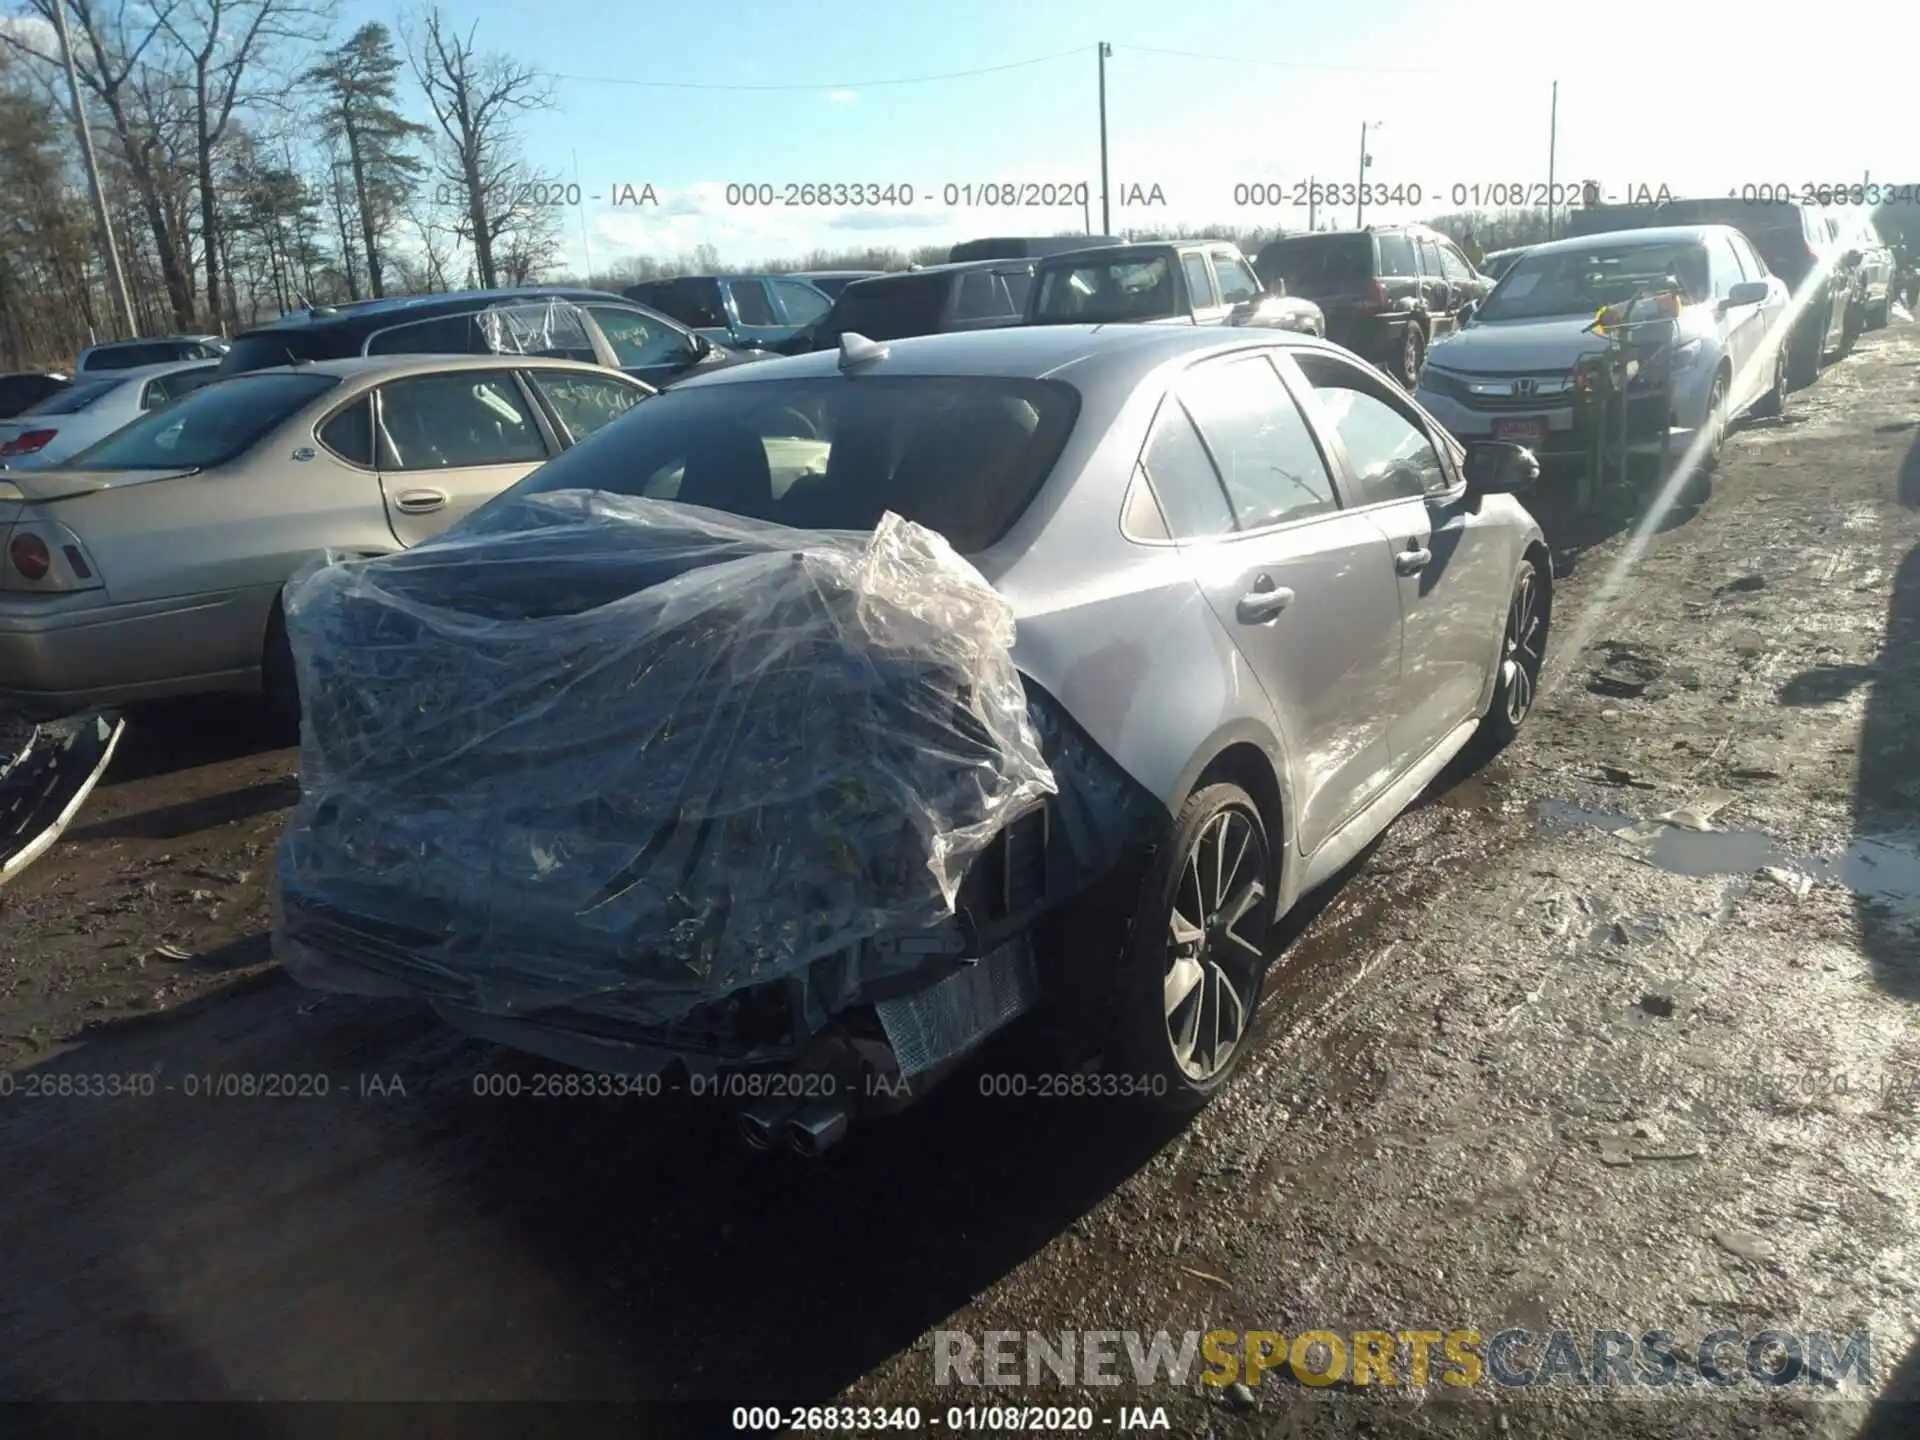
(1521, 429)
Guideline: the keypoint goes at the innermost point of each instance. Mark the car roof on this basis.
(1655, 235)
(1022, 352)
(1135, 247)
(156, 340)
(836, 274)
(385, 366)
(356, 312)
(148, 372)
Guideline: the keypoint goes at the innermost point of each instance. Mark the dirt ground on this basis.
(1515, 1070)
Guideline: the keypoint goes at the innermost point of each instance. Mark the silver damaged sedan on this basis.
(1258, 584)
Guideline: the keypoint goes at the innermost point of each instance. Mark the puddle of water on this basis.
(1882, 870)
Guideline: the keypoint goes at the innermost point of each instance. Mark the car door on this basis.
(755, 322)
(449, 441)
(1446, 562)
(1433, 282)
(800, 304)
(1462, 284)
(1742, 328)
(645, 346)
(1304, 588)
(1773, 314)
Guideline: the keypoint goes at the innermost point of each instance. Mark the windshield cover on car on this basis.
(75, 398)
(962, 455)
(208, 427)
(1587, 280)
(1103, 291)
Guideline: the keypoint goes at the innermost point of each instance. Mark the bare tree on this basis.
(111, 41)
(476, 100)
(223, 41)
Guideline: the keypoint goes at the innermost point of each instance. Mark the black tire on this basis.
(278, 679)
(1877, 317)
(1159, 1040)
(1413, 357)
(1850, 326)
(1716, 428)
(1803, 351)
(1773, 404)
(1523, 649)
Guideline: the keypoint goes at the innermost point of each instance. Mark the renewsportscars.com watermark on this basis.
(1514, 1358)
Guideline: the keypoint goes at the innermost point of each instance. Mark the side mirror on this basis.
(1498, 467)
(1748, 292)
(700, 346)
(1277, 288)
(1243, 312)
(1852, 257)
(1468, 311)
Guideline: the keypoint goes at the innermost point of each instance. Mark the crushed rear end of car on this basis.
(649, 789)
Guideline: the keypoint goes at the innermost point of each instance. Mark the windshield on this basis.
(1102, 291)
(209, 427)
(76, 397)
(1587, 280)
(960, 455)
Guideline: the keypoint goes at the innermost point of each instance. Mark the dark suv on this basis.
(591, 325)
(983, 295)
(737, 310)
(1388, 292)
(1794, 241)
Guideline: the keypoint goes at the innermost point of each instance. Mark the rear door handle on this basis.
(1412, 562)
(1258, 607)
(420, 502)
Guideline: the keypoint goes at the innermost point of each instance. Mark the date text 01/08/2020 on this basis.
(1465, 194)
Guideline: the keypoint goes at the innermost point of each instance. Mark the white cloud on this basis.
(34, 31)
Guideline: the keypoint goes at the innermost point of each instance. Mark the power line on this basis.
(841, 85)
(1289, 64)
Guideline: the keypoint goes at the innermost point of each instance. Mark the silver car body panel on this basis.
(1129, 636)
(189, 564)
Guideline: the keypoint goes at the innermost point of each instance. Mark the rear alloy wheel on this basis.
(1523, 649)
(1198, 951)
(1413, 355)
(1716, 421)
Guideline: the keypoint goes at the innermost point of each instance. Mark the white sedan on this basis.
(92, 408)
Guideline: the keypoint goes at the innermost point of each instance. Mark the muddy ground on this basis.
(1515, 1070)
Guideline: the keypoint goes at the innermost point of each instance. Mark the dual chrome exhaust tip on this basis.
(810, 1130)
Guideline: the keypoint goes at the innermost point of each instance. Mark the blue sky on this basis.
(1713, 95)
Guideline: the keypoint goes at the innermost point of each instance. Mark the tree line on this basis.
(252, 161)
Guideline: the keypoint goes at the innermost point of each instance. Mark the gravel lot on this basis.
(1516, 1070)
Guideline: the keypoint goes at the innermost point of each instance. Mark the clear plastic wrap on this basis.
(535, 327)
(630, 757)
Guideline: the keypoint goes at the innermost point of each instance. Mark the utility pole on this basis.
(1360, 191)
(1106, 215)
(1553, 148)
(116, 277)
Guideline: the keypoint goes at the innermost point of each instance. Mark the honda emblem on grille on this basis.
(1523, 387)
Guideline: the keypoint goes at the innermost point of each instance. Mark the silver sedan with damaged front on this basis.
(150, 564)
(821, 717)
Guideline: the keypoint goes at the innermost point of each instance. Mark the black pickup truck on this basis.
(1206, 282)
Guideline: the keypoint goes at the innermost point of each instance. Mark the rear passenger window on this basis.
(1260, 443)
(1183, 478)
(453, 335)
(350, 433)
(1396, 254)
